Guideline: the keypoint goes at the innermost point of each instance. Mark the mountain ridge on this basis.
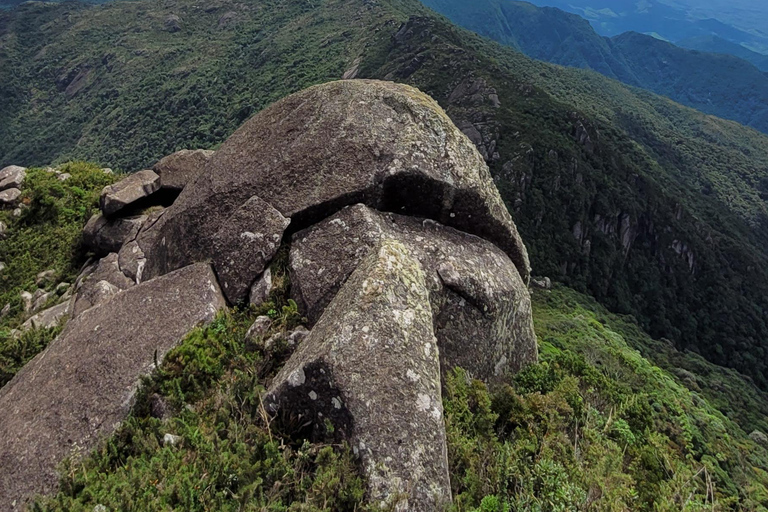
(717, 84)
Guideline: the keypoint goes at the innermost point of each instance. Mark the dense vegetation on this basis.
(593, 426)
(44, 237)
(721, 85)
(653, 208)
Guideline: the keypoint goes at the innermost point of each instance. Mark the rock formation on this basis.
(403, 257)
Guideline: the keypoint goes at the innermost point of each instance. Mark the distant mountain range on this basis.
(721, 85)
(741, 22)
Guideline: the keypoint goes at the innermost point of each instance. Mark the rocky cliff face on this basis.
(403, 258)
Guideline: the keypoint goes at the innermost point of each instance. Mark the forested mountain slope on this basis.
(721, 85)
(655, 209)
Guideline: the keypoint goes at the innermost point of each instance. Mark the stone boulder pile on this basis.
(403, 258)
(11, 178)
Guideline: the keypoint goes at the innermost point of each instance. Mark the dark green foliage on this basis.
(595, 426)
(228, 458)
(46, 236)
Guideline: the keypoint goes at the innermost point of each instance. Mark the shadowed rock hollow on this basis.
(403, 257)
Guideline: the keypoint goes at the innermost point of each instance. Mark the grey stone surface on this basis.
(482, 308)
(131, 261)
(379, 143)
(51, 317)
(9, 196)
(244, 245)
(103, 235)
(261, 288)
(77, 391)
(99, 283)
(182, 167)
(370, 366)
(12, 177)
(258, 328)
(3, 230)
(127, 191)
(26, 300)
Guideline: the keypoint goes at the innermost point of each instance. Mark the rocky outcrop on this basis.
(403, 258)
(481, 307)
(180, 168)
(128, 191)
(79, 389)
(382, 144)
(370, 367)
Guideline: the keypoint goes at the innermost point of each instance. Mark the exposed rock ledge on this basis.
(404, 258)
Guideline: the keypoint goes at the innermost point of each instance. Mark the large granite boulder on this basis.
(182, 167)
(128, 191)
(383, 144)
(370, 367)
(77, 391)
(12, 177)
(482, 308)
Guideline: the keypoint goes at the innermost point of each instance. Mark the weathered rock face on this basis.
(9, 196)
(133, 188)
(371, 367)
(482, 310)
(99, 283)
(245, 244)
(12, 177)
(403, 257)
(383, 144)
(103, 235)
(182, 167)
(78, 390)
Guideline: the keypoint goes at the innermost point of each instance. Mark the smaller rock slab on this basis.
(244, 246)
(12, 177)
(370, 366)
(103, 235)
(9, 196)
(81, 387)
(182, 167)
(127, 191)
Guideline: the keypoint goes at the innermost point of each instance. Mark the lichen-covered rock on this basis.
(78, 390)
(370, 367)
(103, 235)
(12, 177)
(383, 144)
(128, 191)
(245, 244)
(182, 167)
(482, 308)
(9, 197)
